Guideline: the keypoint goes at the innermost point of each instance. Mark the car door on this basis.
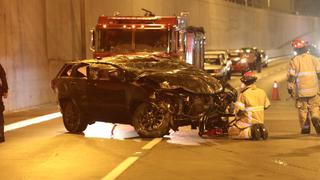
(77, 85)
(107, 93)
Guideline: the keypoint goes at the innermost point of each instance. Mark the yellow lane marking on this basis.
(31, 121)
(152, 143)
(120, 168)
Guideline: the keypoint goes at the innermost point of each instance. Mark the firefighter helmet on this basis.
(298, 44)
(248, 78)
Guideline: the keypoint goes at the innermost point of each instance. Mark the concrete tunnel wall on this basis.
(23, 52)
(38, 36)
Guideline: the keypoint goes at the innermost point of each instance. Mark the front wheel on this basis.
(150, 120)
(72, 119)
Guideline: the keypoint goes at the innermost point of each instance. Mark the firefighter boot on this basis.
(255, 132)
(316, 124)
(1, 138)
(305, 130)
(1, 134)
(264, 132)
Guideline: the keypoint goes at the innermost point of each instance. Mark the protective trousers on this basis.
(1, 121)
(307, 105)
(240, 130)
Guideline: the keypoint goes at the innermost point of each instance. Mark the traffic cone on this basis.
(275, 92)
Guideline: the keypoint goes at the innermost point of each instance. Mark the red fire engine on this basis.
(168, 35)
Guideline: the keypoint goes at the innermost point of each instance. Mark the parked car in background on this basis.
(314, 50)
(257, 58)
(264, 57)
(261, 58)
(152, 92)
(218, 64)
(251, 57)
(239, 61)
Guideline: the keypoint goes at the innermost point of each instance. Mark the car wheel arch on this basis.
(82, 121)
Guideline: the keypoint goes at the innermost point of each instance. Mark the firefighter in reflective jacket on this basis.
(249, 109)
(303, 76)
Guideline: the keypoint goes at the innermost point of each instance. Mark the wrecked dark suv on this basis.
(150, 92)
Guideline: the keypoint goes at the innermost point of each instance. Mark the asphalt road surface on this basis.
(46, 151)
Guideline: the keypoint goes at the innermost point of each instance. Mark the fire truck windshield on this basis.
(128, 40)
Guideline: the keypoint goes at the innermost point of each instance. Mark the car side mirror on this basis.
(92, 40)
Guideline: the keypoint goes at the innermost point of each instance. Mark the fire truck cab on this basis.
(166, 35)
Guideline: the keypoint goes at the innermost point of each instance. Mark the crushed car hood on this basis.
(169, 73)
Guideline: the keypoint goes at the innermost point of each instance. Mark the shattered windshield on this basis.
(174, 73)
(151, 63)
(127, 40)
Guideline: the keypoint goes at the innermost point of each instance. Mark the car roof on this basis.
(235, 50)
(215, 51)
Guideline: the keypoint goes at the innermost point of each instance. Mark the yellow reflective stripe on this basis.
(240, 105)
(255, 108)
(309, 73)
(292, 72)
(309, 90)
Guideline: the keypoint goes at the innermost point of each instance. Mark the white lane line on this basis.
(124, 165)
(31, 121)
(152, 143)
(121, 168)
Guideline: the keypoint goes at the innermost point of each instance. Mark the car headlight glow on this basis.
(165, 85)
(243, 61)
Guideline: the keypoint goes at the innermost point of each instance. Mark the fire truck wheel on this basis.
(151, 121)
(72, 118)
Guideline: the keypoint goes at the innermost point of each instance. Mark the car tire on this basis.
(72, 119)
(151, 121)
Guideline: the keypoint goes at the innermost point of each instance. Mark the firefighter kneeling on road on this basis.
(249, 109)
(303, 85)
